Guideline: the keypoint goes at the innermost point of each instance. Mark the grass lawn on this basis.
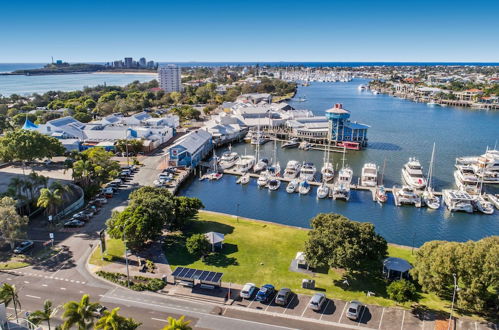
(261, 253)
(9, 260)
(114, 249)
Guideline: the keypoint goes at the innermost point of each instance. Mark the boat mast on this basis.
(383, 172)
(430, 170)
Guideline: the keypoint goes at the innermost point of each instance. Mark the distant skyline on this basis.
(256, 31)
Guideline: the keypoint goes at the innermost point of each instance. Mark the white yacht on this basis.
(292, 169)
(245, 163)
(341, 188)
(494, 199)
(457, 200)
(327, 172)
(228, 160)
(304, 188)
(261, 165)
(259, 138)
(244, 179)
(322, 191)
(406, 195)
(485, 166)
(466, 179)
(292, 186)
(274, 184)
(429, 198)
(263, 179)
(369, 176)
(307, 172)
(483, 205)
(293, 143)
(412, 173)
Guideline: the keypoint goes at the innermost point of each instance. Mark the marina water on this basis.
(399, 129)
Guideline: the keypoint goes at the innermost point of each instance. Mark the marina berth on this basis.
(466, 179)
(483, 205)
(406, 195)
(261, 165)
(293, 143)
(304, 188)
(245, 163)
(263, 179)
(322, 191)
(412, 174)
(292, 169)
(292, 186)
(307, 172)
(327, 172)
(244, 179)
(228, 160)
(369, 175)
(274, 184)
(457, 201)
(380, 195)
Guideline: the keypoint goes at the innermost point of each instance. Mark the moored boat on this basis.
(292, 169)
(228, 160)
(457, 201)
(483, 205)
(245, 163)
(293, 143)
(274, 184)
(369, 175)
(322, 191)
(412, 174)
(304, 188)
(292, 186)
(307, 172)
(406, 195)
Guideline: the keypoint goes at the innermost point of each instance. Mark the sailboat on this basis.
(274, 171)
(380, 193)
(327, 170)
(341, 187)
(215, 174)
(429, 198)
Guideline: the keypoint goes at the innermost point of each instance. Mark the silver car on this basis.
(317, 301)
(354, 308)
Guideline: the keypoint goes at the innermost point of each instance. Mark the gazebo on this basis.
(396, 268)
(216, 240)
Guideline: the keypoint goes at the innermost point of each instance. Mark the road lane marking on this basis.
(381, 319)
(403, 318)
(343, 311)
(160, 320)
(44, 285)
(9, 279)
(362, 315)
(322, 314)
(63, 288)
(271, 300)
(35, 297)
(26, 282)
(287, 306)
(305, 309)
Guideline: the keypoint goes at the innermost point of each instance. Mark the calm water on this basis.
(25, 85)
(399, 129)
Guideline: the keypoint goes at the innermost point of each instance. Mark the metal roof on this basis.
(190, 274)
(397, 264)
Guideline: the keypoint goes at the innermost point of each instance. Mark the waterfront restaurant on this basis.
(190, 149)
(343, 129)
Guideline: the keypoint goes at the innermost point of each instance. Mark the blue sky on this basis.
(272, 30)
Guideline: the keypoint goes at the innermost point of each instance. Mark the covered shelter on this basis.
(396, 268)
(216, 240)
(189, 276)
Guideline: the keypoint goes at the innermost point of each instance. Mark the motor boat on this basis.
(466, 179)
(457, 201)
(293, 143)
(431, 200)
(322, 191)
(406, 196)
(259, 138)
(304, 188)
(292, 169)
(341, 188)
(483, 205)
(228, 160)
(245, 163)
(304, 145)
(307, 172)
(292, 186)
(494, 199)
(412, 173)
(369, 176)
(261, 165)
(380, 194)
(274, 184)
(215, 176)
(274, 170)
(263, 179)
(244, 179)
(327, 172)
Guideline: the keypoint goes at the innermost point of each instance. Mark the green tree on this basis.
(134, 145)
(82, 116)
(8, 294)
(401, 290)
(12, 225)
(80, 314)
(25, 145)
(185, 209)
(43, 315)
(177, 324)
(338, 242)
(111, 320)
(176, 97)
(198, 245)
(50, 200)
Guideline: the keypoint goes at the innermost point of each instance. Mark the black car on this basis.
(24, 247)
(74, 223)
(283, 296)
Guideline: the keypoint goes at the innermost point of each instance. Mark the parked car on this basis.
(283, 296)
(248, 291)
(317, 301)
(24, 247)
(101, 200)
(82, 215)
(354, 308)
(265, 293)
(74, 223)
(99, 310)
(108, 192)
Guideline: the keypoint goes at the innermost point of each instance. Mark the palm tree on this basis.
(80, 314)
(82, 170)
(65, 190)
(111, 320)
(8, 294)
(177, 324)
(50, 200)
(42, 315)
(17, 184)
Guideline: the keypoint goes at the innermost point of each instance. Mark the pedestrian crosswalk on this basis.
(47, 277)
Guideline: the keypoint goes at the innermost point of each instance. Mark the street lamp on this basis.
(453, 298)
(126, 257)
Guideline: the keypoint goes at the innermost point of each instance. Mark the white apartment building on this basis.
(169, 78)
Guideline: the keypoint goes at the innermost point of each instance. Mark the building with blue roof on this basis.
(352, 135)
(191, 149)
(28, 125)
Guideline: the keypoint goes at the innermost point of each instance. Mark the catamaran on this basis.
(457, 201)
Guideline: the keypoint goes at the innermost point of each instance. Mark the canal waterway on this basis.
(399, 129)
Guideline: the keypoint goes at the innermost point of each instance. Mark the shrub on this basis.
(138, 283)
(198, 245)
(401, 290)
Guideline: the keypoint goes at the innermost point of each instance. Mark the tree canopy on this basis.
(335, 241)
(198, 245)
(12, 225)
(26, 145)
(475, 264)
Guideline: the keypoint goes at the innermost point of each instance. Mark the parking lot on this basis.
(334, 312)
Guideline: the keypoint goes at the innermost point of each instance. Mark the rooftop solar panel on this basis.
(191, 274)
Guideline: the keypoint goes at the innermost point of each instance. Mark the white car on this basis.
(248, 290)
